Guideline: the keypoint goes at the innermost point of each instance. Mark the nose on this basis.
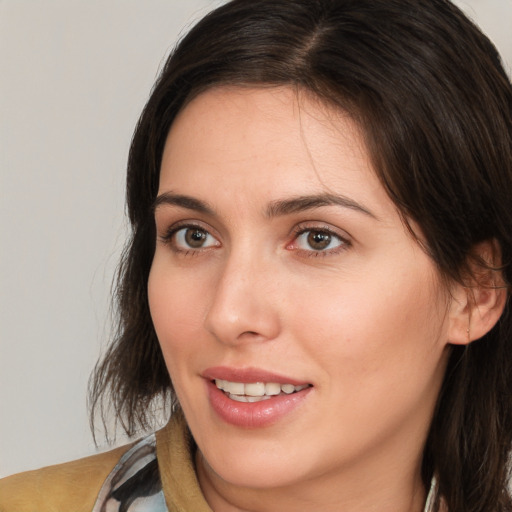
(244, 307)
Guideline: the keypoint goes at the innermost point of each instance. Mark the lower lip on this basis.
(254, 414)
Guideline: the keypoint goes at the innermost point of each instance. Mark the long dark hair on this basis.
(435, 106)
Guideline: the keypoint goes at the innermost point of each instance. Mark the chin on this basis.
(256, 474)
(259, 463)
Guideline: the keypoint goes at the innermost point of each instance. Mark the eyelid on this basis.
(169, 233)
(305, 227)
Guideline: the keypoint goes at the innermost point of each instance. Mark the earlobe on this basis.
(475, 309)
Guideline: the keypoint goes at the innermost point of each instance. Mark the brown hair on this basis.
(435, 105)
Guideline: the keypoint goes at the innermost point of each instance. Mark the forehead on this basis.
(266, 142)
(265, 111)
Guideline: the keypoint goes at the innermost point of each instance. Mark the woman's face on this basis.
(282, 265)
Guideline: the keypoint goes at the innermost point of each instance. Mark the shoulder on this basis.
(64, 487)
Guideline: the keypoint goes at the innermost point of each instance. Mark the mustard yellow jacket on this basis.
(74, 486)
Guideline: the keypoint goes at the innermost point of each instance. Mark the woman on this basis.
(320, 194)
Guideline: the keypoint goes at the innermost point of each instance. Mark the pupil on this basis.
(318, 240)
(195, 238)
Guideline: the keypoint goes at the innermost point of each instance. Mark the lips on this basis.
(249, 375)
(252, 397)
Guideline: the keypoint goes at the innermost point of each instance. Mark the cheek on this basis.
(387, 323)
(176, 308)
(380, 351)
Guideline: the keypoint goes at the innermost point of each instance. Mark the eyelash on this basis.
(325, 230)
(169, 239)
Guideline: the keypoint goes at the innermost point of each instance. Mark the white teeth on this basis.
(236, 388)
(243, 398)
(288, 388)
(238, 398)
(255, 391)
(257, 398)
(272, 388)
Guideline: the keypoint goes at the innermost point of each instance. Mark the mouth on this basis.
(256, 391)
(253, 397)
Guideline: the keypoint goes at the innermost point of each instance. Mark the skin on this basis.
(366, 320)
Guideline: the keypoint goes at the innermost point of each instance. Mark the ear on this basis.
(476, 306)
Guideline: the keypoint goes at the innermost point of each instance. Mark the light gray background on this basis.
(74, 76)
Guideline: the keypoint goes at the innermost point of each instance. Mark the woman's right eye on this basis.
(190, 238)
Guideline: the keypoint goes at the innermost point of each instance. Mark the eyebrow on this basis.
(275, 208)
(190, 203)
(304, 203)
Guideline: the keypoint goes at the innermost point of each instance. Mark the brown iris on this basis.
(319, 240)
(195, 238)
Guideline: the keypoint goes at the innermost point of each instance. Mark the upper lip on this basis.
(248, 375)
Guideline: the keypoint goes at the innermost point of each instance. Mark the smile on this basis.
(253, 397)
(256, 391)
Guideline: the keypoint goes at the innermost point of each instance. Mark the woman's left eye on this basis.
(318, 241)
